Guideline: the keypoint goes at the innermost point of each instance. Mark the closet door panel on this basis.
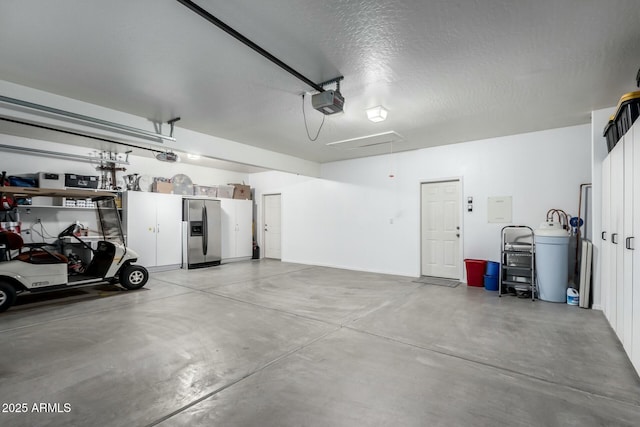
(605, 243)
(627, 253)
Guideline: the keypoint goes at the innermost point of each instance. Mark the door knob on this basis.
(457, 234)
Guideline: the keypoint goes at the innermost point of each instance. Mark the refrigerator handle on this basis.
(205, 230)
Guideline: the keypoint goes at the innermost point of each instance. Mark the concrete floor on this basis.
(264, 343)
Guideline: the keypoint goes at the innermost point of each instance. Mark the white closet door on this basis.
(244, 228)
(228, 234)
(168, 229)
(635, 328)
(605, 243)
(617, 213)
(627, 277)
(140, 212)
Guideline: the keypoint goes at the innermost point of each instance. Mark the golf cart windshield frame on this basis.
(109, 219)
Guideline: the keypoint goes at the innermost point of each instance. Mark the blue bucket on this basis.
(493, 269)
(491, 283)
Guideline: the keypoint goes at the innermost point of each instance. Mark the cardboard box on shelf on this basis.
(225, 191)
(163, 187)
(241, 191)
(204, 190)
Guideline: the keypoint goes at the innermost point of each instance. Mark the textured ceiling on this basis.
(447, 70)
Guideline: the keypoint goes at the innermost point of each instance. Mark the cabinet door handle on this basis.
(603, 236)
(628, 243)
(614, 238)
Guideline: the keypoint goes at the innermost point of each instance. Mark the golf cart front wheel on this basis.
(7, 296)
(133, 277)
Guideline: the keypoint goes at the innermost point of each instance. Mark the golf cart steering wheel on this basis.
(67, 231)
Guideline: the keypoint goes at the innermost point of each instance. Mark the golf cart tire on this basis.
(7, 296)
(133, 277)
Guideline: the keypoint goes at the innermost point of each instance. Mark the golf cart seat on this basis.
(36, 254)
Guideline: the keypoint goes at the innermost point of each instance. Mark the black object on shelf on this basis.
(626, 114)
(80, 181)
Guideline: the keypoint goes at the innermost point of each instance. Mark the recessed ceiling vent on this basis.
(368, 141)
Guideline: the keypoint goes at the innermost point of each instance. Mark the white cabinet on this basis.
(617, 233)
(237, 223)
(620, 262)
(625, 265)
(635, 244)
(605, 257)
(153, 225)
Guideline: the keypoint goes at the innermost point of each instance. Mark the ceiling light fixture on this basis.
(168, 156)
(377, 114)
(193, 156)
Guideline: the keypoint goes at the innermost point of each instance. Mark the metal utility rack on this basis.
(517, 262)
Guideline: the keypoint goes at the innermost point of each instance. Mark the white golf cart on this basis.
(39, 267)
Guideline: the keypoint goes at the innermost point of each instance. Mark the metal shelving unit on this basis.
(517, 261)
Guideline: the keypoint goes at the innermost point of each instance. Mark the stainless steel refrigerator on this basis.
(203, 224)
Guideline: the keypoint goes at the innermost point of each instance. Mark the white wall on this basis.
(357, 217)
(599, 119)
(54, 220)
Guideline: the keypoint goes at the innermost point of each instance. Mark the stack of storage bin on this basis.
(626, 114)
(492, 276)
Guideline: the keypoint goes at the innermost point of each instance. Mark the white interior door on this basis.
(440, 229)
(272, 226)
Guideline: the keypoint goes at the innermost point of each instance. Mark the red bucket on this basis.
(475, 271)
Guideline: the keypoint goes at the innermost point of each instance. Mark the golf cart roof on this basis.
(55, 192)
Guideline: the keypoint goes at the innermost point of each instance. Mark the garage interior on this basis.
(315, 138)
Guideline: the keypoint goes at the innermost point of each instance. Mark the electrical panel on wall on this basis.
(499, 209)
